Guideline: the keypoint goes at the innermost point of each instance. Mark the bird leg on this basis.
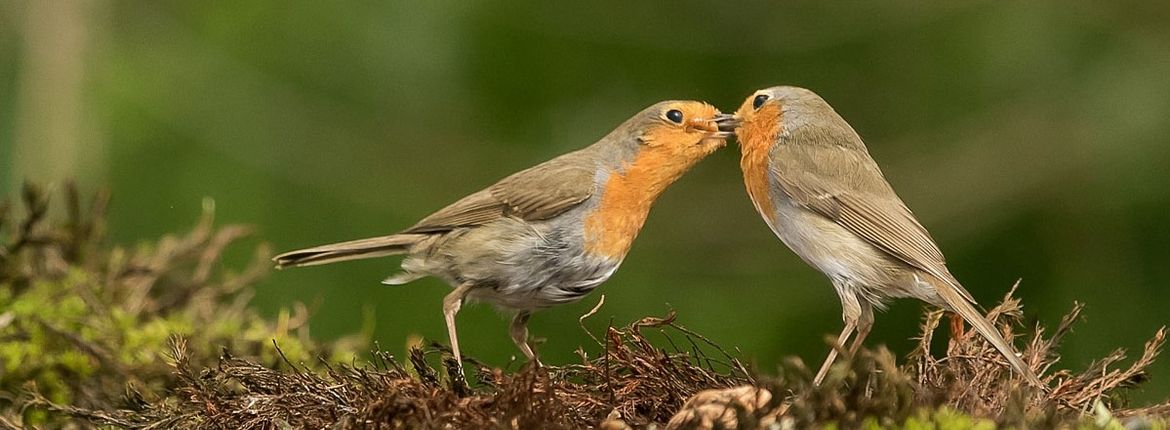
(451, 304)
(864, 324)
(519, 332)
(844, 336)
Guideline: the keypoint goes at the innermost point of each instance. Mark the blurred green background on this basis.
(1029, 137)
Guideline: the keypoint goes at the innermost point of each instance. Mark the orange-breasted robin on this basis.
(812, 180)
(549, 234)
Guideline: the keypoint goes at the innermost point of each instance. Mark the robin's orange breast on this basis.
(755, 178)
(626, 198)
(757, 135)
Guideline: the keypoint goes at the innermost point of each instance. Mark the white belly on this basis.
(827, 246)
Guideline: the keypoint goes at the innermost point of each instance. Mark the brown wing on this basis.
(846, 186)
(540, 192)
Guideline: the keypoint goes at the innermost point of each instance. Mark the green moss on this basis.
(946, 419)
(80, 320)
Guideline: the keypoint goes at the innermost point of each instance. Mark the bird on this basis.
(811, 178)
(549, 234)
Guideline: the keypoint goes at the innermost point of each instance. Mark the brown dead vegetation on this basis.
(635, 383)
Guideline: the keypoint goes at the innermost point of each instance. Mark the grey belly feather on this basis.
(515, 265)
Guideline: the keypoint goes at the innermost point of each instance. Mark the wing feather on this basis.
(847, 187)
(537, 193)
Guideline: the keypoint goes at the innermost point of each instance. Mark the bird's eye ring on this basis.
(675, 115)
(759, 101)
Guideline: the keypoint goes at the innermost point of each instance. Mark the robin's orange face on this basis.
(759, 124)
(684, 130)
(759, 121)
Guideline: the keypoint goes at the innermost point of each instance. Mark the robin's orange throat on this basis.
(627, 196)
(756, 138)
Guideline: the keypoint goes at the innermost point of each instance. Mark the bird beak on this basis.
(718, 126)
(727, 123)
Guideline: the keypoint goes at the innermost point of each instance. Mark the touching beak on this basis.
(727, 124)
(721, 126)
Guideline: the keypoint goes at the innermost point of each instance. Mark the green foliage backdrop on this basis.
(1029, 137)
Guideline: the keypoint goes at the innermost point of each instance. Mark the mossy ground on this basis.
(163, 336)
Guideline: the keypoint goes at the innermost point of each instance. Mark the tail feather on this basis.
(351, 250)
(959, 304)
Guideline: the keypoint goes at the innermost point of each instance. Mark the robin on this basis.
(812, 180)
(549, 234)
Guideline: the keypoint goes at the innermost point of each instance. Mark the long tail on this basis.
(965, 308)
(351, 250)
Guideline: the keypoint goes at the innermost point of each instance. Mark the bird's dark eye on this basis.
(674, 115)
(759, 101)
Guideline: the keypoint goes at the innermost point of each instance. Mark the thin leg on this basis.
(864, 324)
(844, 336)
(451, 304)
(519, 332)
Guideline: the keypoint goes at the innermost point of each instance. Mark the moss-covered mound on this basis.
(162, 336)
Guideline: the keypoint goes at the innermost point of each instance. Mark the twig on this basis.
(581, 320)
